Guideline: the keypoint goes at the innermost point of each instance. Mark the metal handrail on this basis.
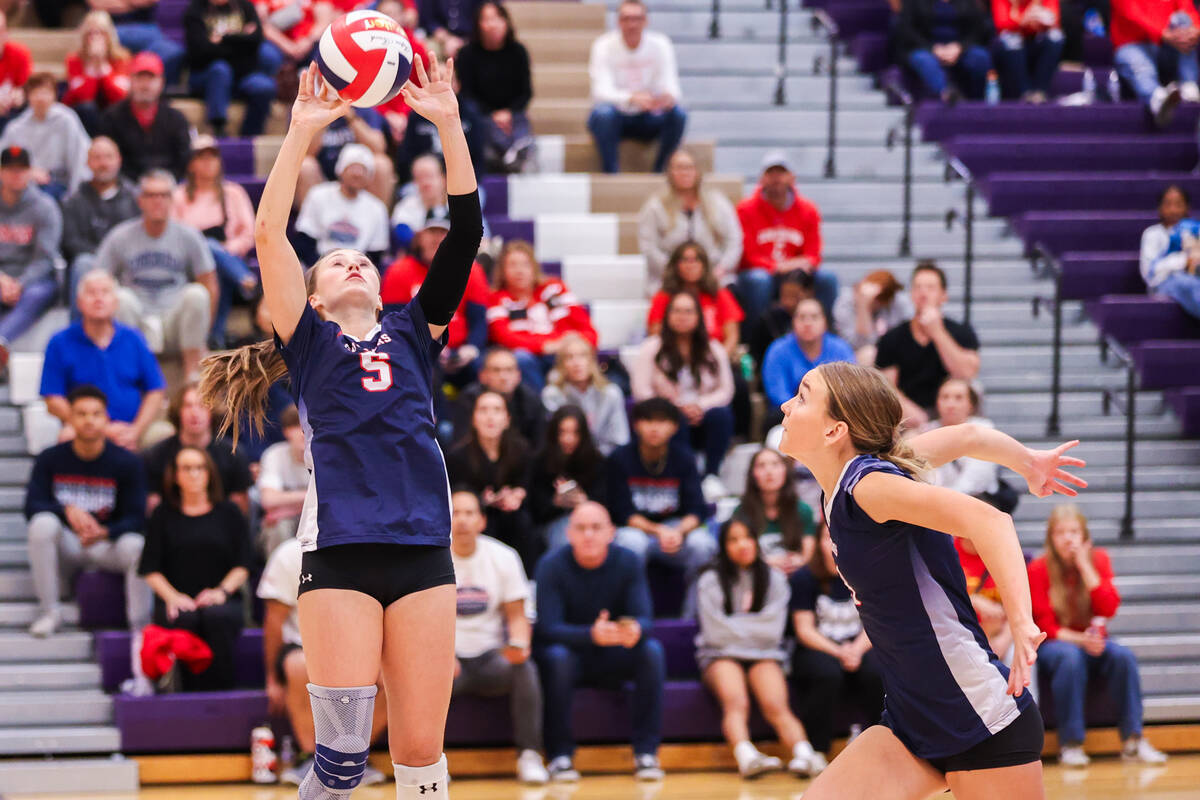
(820, 21)
(956, 167)
(1049, 265)
(714, 27)
(1110, 398)
(894, 86)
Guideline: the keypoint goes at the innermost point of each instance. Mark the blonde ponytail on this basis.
(236, 383)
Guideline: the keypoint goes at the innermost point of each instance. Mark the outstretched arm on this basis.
(282, 274)
(1041, 469)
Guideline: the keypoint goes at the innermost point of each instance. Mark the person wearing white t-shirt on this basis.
(342, 213)
(282, 483)
(492, 635)
(635, 88)
(287, 673)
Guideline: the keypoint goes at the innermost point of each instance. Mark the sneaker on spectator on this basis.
(760, 764)
(806, 762)
(1072, 755)
(646, 768)
(45, 625)
(530, 768)
(563, 771)
(372, 777)
(713, 488)
(137, 686)
(294, 773)
(1189, 92)
(1163, 103)
(1137, 748)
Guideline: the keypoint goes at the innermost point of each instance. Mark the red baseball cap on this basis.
(146, 61)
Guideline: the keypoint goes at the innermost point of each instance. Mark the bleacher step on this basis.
(1171, 708)
(1105, 529)
(63, 646)
(16, 584)
(60, 707)
(1142, 559)
(1156, 587)
(1160, 679)
(69, 776)
(1154, 617)
(44, 677)
(49, 740)
(22, 614)
(1162, 646)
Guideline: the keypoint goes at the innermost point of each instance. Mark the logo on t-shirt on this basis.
(472, 600)
(343, 232)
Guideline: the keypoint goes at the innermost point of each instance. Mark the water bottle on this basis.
(1093, 23)
(287, 751)
(1114, 86)
(746, 363)
(262, 754)
(1089, 85)
(993, 88)
(1099, 627)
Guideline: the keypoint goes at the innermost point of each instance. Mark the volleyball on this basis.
(366, 57)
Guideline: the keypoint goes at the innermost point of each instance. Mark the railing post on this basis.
(831, 157)
(1131, 392)
(1052, 422)
(906, 238)
(781, 66)
(969, 251)
(714, 27)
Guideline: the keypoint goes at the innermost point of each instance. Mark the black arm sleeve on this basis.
(446, 281)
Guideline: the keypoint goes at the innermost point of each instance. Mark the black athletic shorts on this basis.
(386, 572)
(1019, 743)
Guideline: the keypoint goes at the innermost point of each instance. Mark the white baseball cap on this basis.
(355, 153)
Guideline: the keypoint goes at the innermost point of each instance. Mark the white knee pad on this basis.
(342, 718)
(423, 783)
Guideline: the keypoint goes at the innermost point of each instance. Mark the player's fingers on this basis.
(1065, 446)
(1069, 461)
(449, 70)
(1068, 477)
(419, 68)
(1058, 488)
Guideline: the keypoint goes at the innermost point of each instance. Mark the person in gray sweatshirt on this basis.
(30, 229)
(743, 607)
(54, 137)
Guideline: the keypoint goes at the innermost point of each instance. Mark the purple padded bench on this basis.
(1010, 193)
(984, 155)
(101, 600)
(1083, 231)
(112, 653)
(1186, 403)
(1135, 318)
(937, 122)
(1086, 276)
(1167, 364)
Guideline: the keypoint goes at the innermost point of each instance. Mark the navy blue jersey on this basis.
(367, 413)
(945, 687)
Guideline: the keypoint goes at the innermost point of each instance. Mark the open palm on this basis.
(317, 104)
(434, 99)
(1046, 475)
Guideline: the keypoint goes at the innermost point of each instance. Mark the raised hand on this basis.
(317, 104)
(1046, 475)
(434, 99)
(1026, 638)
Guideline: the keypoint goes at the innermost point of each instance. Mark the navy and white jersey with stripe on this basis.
(366, 408)
(945, 689)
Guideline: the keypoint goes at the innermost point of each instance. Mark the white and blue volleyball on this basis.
(366, 56)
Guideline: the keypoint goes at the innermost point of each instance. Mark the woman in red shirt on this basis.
(689, 270)
(98, 72)
(1030, 39)
(1071, 586)
(530, 313)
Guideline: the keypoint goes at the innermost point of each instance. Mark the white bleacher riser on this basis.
(25, 377)
(70, 777)
(551, 153)
(619, 322)
(41, 427)
(594, 278)
(532, 195)
(557, 236)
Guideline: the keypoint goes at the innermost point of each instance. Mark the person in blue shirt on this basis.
(97, 351)
(792, 355)
(593, 623)
(377, 588)
(1171, 251)
(954, 716)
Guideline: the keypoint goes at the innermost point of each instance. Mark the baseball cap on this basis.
(14, 157)
(355, 153)
(146, 61)
(435, 224)
(776, 158)
(203, 142)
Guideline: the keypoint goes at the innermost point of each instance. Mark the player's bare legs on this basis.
(877, 766)
(1024, 781)
(342, 633)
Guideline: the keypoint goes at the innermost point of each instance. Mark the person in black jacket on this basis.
(944, 39)
(149, 133)
(567, 472)
(95, 208)
(494, 72)
(223, 39)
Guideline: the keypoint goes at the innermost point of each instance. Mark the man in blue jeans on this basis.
(1154, 40)
(138, 30)
(944, 39)
(593, 618)
(224, 51)
(635, 88)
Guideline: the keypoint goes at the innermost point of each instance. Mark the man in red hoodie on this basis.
(1153, 38)
(781, 232)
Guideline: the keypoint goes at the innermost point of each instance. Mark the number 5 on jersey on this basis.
(381, 371)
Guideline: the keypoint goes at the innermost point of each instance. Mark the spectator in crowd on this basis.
(495, 76)
(30, 230)
(635, 88)
(985, 598)
(770, 505)
(1153, 42)
(223, 42)
(1171, 251)
(447, 22)
(781, 233)
(364, 126)
(1071, 585)
(941, 40)
(98, 72)
(1029, 47)
(291, 28)
(166, 272)
(95, 208)
(593, 622)
(743, 607)
(493, 460)
(832, 653)
(492, 636)
(287, 670)
(96, 350)
(690, 370)
(918, 355)
(149, 132)
(655, 495)
(396, 111)
(193, 425)
(776, 321)
(425, 203)
(578, 380)
(958, 402)
(282, 484)
(221, 210)
(500, 374)
(869, 309)
(16, 64)
(684, 212)
(567, 472)
(138, 30)
(52, 135)
(342, 213)
(791, 356)
(689, 270)
(196, 559)
(85, 504)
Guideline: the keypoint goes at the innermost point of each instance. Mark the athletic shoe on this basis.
(137, 686)
(646, 768)
(295, 773)
(1163, 103)
(1072, 755)
(45, 625)
(1190, 92)
(817, 763)
(1138, 749)
(713, 489)
(760, 765)
(530, 768)
(563, 771)
(806, 762)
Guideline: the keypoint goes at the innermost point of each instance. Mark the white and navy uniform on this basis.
(945, 688)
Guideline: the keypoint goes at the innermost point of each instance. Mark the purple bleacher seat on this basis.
(1097, 51)
(984, 155)
(860, 16)
(494, 189)
(871, 51)
(190, 722)
(1011, 193)
(1083, 231)
(1136, 318)
(1186, 404)
(1167, 364)
(237, 155)
(113, 654)
(1086, 276)
(101, 599)
(553, 268)
(938, 122)
(253, 185)
(667, 589)
(169, 16)
(510, 229)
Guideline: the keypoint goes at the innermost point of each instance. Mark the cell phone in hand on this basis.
(567, 486)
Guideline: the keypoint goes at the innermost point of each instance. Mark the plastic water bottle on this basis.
(1099, 627)
(993, 88)
(1093, 23)
(262, 754)
(1114, 86)
(1089, 85)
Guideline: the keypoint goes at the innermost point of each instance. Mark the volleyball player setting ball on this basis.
(377, 582)
(955, 717)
